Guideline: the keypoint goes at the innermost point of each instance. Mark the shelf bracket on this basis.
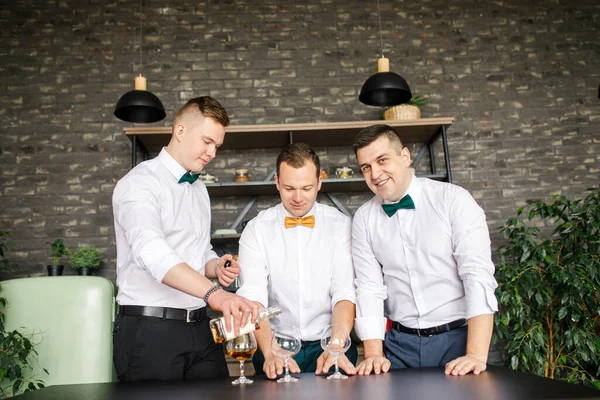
(338, 204)
(446, 153)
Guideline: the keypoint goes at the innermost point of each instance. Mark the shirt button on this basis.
(405, 244)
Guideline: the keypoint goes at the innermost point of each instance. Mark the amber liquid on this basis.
(217, 337)
(241, 355)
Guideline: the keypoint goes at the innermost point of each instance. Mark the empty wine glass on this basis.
(286, 346)
(336, 342)
(242, 348)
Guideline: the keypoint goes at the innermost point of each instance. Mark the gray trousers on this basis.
(405, 350)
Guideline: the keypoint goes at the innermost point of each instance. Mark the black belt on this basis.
(164, 313)
(436, 330)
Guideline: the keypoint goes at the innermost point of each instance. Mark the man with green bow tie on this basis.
(421, 251)
(165, 262)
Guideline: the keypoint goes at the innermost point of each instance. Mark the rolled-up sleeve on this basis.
(370, 289)
(472, 251)
(137, 211)
(342, 283)
(254, 274)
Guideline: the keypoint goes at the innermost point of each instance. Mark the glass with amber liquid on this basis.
(242, 348)
(221, 335)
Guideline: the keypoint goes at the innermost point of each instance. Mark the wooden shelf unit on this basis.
(150, 140)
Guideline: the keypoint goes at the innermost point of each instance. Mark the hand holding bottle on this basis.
(221, 331)
(237, 311)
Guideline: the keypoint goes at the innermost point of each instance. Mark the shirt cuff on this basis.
(158, 258)
(480, 299)
(370, 327)
(209, 255)
(340, 295)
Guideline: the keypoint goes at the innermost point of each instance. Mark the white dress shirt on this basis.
(431, 265)
(305, 271)
(159, 223)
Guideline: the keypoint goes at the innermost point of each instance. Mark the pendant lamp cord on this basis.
(141, 35)
(380, 34)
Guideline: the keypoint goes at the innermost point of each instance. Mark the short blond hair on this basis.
(205, 105)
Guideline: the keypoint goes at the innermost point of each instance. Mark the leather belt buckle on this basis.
(187, 316)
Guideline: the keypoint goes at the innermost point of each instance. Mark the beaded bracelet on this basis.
(209, 292)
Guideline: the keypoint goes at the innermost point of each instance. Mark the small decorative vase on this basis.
(55, 270)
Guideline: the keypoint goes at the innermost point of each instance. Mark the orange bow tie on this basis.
(306, 221)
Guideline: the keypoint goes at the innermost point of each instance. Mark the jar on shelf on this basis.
(241, 175)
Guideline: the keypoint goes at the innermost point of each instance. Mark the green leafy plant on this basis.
(59, 250)
(549, 289)
(18, 353)
(5, 264)
(417, 100)
(86, 256)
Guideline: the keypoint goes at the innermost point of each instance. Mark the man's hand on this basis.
(274, 366)
(326, 360)
(230, 305)
(464, 365)
(227, 275)
(376, 364)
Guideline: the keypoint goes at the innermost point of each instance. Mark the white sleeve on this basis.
(136, 208)
(472, 250)
(370, 290)
(342, 283)
(254, 274)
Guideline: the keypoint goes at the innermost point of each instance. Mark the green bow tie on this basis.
(405, 202)
(188, 177)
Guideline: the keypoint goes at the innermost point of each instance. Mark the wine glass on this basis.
(336, 342)
(242, 348)
(286, 346)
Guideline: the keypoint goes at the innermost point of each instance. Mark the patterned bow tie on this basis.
(405, 202)
(306, 221)
(188, 177)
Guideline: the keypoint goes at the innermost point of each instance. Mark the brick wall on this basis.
(520, 77)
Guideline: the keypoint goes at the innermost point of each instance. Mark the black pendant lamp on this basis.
(385, 88)
(140, 105)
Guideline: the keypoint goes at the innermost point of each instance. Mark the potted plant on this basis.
(409, 110)
(17, 351)
(549, 286)
(86, 259)
(59, 250)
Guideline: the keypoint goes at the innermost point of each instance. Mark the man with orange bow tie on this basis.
(298, 255)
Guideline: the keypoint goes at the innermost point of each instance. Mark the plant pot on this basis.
(85, 271)
(55, 270)
(402, 111)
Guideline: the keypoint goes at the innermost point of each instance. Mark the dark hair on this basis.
(207, 106)
(296, 155)
(368, 135)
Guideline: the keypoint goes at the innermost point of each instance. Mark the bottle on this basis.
(220, 335)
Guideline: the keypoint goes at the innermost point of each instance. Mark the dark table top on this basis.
(419, 384)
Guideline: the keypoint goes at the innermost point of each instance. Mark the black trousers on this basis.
(148, 348)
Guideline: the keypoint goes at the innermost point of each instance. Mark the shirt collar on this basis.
(414, 189)
(173, 166)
